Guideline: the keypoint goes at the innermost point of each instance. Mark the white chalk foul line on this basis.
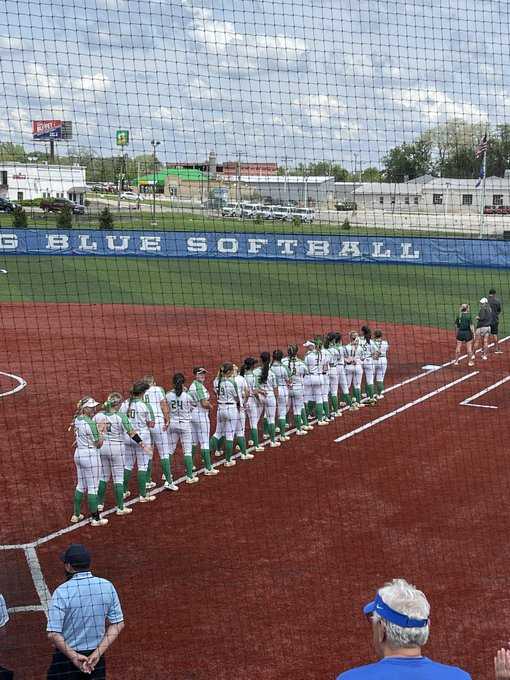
(26, 608)
(467, 402)
(20, 386)
(37, 576)
(405, 407)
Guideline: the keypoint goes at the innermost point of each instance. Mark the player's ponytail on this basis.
(79, 407)
(225, 369)
(292, 351)
(178, 382)
(277, 355)
(266, 360)
(247, 365)
(113, 400)
(367, 333)
(138, 389)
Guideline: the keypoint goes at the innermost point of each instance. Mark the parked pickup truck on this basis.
(59, 204)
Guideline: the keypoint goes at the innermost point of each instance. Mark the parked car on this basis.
(346, 205)
(231, 210)
(6, 205)
(264, 212)
(56, 205)
(282, 213)
(305, 215)
(132, 196)
(249, 210)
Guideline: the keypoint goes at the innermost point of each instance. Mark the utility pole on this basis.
(238, 179)
(155, 144)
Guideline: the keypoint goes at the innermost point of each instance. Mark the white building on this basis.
(284, 189)
(20, 181)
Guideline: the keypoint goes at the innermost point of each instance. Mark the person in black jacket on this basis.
(483, 327)
(497, 309)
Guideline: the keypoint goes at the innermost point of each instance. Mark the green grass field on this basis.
(394, 293)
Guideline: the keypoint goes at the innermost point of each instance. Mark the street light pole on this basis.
(155, 144)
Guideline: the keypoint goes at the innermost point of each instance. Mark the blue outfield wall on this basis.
(296, 248)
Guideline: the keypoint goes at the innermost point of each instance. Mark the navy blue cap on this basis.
(76, 555)
(386, 612)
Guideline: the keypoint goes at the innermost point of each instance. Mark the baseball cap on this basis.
(4, 614)
(308, 343)
(386, 612)
(484, 301)
(199, 369)
(89, 403)
(76, 555)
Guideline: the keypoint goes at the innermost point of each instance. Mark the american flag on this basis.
(482, 147)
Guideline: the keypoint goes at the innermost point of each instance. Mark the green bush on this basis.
(65, 218)
(296, 222)
(106, 219)
(346, 225)
(19, 218)
(31, 202)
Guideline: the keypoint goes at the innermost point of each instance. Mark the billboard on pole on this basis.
(46, 130)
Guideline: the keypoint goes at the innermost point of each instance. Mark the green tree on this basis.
(407, 161)
(106, 219)
(12, 152)
(19, 218)
(370, 174)
(65, 218)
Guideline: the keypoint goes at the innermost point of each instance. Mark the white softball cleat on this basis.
(126, 494)
(172, 486)
(284, 438)
(100, 508)
(321, 423)
(258, 448)
(147, 499)
(76, 518)
(218, 454)
(250, 442)
(191, 480)
(301, 433)
(230, 463)
(211, 472)
(150, 485)
(274, 445)
(124, 511)
(247, 456)
(101, 522)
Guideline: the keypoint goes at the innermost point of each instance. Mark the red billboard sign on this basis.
(46, 130)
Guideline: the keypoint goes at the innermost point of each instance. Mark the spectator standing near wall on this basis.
(4, 620)
(399, 616)
(77, 618)
(497, 309)
(483, 327)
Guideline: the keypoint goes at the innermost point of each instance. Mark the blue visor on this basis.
(385, 612)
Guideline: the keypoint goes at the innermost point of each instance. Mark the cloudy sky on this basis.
(269, 80)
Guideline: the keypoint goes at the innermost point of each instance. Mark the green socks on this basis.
(272, 431)
(127, 477)
(334, 402)
(298, 421)
(266, 426)
(370, 391)
(118, 490)
(165, 465)
(142, 481)
(254, 434)
(92, 501)
(325, 409)
(206, 457)
(357, 394)
(149, 470)
(319, 411)
(380, 387)
(188, 462)
(78, 497)
(282, 424)
(346, 397)
(213, 444)
(229, 447)
(304, 417)
(242, 445)
(101, 492)
(309, 407)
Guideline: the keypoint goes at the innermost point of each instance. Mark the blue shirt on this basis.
(79, 608)
(412, 668)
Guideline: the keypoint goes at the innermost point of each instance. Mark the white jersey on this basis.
(365, 349)
(199, 392)
(333, 357)
(139, 414)
(339, 351)
(317, 362)
(154, 396)
(380, 348)
(297, 371)
(352, 353)
(226, 391)
(85, 432)
(181, 407)
(282, 374)
(115, 426)
(251, 381)
(243, 389)
(269, 386)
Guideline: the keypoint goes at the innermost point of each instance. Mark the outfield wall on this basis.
(298, 247)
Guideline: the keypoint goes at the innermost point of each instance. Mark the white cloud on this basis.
(435, 105)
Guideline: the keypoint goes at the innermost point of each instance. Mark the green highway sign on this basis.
(122, 137)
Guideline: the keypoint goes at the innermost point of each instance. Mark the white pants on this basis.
(159, 439)
(354, 375)
(254, 411)
(282, 401)
(307, 388)
(241, 423)
(88, 469)
(333, 381)
(226, 424)
(342, 379)
(297, 399)
(315, 388)
(368, 370)
(112, 462)
(381, 366)
(270, 407)
(200, 428)
(180, 432)
(325, 387)
(134, 452)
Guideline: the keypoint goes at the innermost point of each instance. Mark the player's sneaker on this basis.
(101, 522)
(247, 456)
(211, 472)
(126, 494)
(308, 427)
(100, 508)
(321, 423)
(258, 448)
(230, 463)
(76, 518)
(124, 511)
(353, 407)
(284, 438)
(277, 430)
(147, 499)
(172, 486)
(456, 362)
(191, 480)
(498, 351)
(273, 445)
(150, 485)
(484, 357)
(471, 363)
(218, 454)
(301, 433)
(250, 442)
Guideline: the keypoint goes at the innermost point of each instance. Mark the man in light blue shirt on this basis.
(77, 618)
(399, 616)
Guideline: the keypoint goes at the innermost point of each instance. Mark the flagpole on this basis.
(482, 202)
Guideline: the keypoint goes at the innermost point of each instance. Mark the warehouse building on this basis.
(22, 181)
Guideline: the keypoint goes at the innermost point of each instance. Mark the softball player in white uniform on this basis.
(113, 428)
(141, 418)
(155, 397)
(228, 411)
(253, 404)
(200, 422)
(282, 403)
(354, 368)
(297, 372)
(340, 367)
(243, 392)
(307, 381)
(381, 347)
(266, 385)
(367, 361)
(316, 363)
(87, 460)
(181, 405)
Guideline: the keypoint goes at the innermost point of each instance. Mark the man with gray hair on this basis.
(399, 616)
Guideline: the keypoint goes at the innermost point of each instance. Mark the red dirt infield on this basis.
(261, 571)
